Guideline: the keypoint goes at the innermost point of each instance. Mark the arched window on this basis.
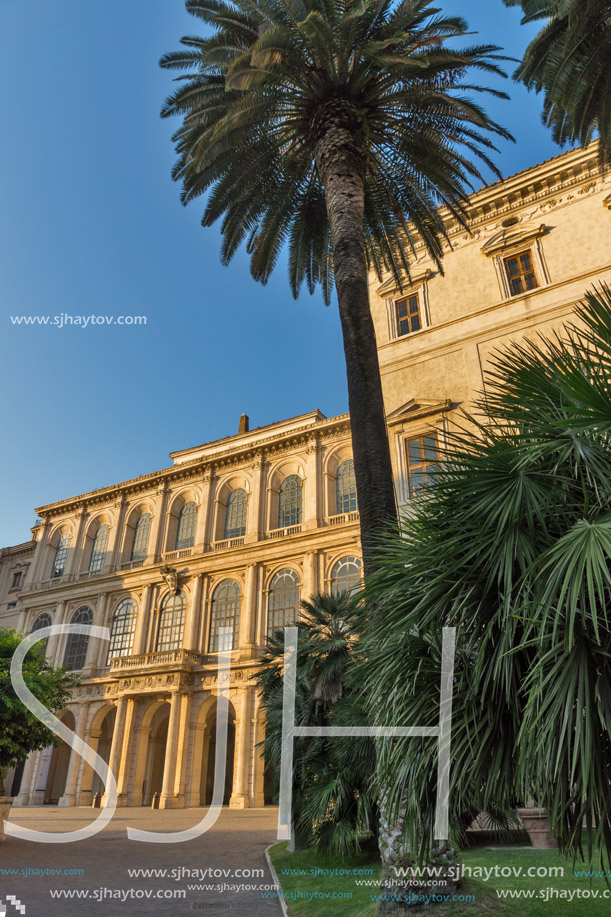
(122, 631)
(185, 532)
(98, 551)
(289, 502)
(225, 613)
(345, 487)
(235, 515)
(141, 537)
(43, 620)
(284, 598)
(76, 644)
(171, 623)
(346, 575)
(61, 553)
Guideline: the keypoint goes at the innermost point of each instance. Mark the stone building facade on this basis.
(235, 532)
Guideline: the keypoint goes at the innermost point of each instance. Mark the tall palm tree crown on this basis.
(569, 60)
(326, 127)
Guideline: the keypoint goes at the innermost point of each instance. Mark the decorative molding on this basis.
(401, 286)
(416, 408)
(513, 237)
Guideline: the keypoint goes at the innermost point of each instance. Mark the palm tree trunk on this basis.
(340, 159)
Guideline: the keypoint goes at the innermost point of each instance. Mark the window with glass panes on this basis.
(225, 613)
(76, 644)
(235, 514)
(408, 315)
(284, 599)
(185, 531)
(122, 631)
(171, 623)
(289, 502)
(521, 273)
(345, 489)
(98, 550)
(43, 620)
(141, 537)
(346, 575)
(61, 554)
(422, 461)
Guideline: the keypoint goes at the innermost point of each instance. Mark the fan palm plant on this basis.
(326, 127)
(333, 799)
(512, 546)
(569, 61)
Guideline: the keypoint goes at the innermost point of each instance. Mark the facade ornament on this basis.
(170, 577)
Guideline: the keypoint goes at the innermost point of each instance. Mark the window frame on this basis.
(61, 550)
(184, 541)
(292, 513)
(219, 616)
(97, 557)
(174, 626)
(346, 501)
(517, 255)
(424, 464)
(77, 645)
(277, 600)
(143, 520)
(347, 560)
(125, 646)
(238, 509)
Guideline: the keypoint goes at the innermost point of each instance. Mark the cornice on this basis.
(145, 485)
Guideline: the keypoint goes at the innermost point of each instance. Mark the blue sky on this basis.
(91, 223)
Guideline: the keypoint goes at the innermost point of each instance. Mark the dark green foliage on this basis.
(258, 94)
(332, 795)
(20, 731)
(570, 62)
(512, 546)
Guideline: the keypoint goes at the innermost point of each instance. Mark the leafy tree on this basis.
(512, 546)
(324, 128)
(333, 800)
(568, 61)
(20, 731)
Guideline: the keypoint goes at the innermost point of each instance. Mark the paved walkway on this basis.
(237, 842)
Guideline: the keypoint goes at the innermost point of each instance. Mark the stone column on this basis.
(254, 520)
(69, 797)
(240, 798)
(191, 638)
(311, 513)
(117, 742)
(182, 749)
(29, 777)
(204, 624)
(248, 614)
(37, 573)
(142, 620)
(155, 545)
(310, 579)
(171, 751)
(97, 649)
(42, 773)
(126, 748)
(23, 614)
(54, 641)
(203, 535)
(76, 563)
(113, 552)
(92, 737)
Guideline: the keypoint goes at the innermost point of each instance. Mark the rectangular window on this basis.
(521, 273)
(422, 461)
(408, 315)
(16, 580)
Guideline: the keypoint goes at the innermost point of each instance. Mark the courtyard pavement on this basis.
(236, 843)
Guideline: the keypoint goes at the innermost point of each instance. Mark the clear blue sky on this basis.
(90, 222)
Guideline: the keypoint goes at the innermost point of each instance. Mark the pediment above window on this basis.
(392, 287)
(513, 236)
(416, 408)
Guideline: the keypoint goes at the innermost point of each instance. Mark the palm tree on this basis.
(323, 127)
(569, 62)
(512, 546)
(333, 797)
